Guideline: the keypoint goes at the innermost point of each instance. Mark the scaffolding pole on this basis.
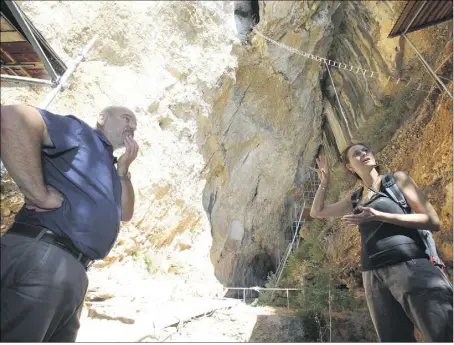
(18, 15)
(16, 78)
(428, 68)
(2, 170)
(64, 78)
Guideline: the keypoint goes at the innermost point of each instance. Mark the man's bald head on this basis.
(115, 109)
(116, 122)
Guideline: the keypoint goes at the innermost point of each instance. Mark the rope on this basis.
(350, 68)
(338, 101)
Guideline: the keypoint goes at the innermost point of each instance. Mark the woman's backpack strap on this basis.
(394, 192)
(356, 197)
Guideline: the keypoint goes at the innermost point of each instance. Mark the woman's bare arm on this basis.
(338, 209)
(319, 210)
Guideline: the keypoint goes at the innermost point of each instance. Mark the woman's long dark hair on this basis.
(346, 159)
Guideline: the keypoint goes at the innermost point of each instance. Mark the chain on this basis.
(358, 71)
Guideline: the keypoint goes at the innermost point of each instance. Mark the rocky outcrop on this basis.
(271, 119)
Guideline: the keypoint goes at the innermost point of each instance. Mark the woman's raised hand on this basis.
(323, 170)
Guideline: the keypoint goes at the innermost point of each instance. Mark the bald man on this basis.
(76, 193)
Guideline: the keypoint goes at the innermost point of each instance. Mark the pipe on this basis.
(2, 170)
(17, 78)
(426, 65)
(64, 78)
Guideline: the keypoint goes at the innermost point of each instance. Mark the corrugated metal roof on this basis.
(427, 13)
(17, 54)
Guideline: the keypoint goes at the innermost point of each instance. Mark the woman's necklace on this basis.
(371, 193)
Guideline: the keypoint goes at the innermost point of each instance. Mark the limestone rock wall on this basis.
(270, 120)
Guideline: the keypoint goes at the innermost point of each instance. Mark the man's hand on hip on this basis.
(53, 200)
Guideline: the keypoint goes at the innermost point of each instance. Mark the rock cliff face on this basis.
(270, 120)
(230, 123)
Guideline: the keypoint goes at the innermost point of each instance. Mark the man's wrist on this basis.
(38, 199)
(125, 177)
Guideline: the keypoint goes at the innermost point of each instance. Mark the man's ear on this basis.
(102, 117)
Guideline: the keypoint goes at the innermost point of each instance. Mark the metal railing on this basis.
(259, 289)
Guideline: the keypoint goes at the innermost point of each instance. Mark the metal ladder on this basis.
(291, 246)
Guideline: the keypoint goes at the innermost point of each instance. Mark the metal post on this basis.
(426, 65)
(17, 78)
(2, 170)
(18, 15)
(288, 303)
(329, 305)
(67, 74)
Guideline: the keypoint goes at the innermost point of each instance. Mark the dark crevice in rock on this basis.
(246, 17)
(211, 203)
(235, 112)
(256, 189)
(255, 11)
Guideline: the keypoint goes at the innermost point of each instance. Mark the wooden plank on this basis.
(12, 60)
(4, 57)
(11, 36)
(26, 57)
(17, 47)
(17, 72)
(27, 65)
(6, 71)
(4, 25)
(38, 73)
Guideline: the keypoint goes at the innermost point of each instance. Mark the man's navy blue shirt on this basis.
(81, 166)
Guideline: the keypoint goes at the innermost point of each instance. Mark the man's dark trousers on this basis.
(42, 291)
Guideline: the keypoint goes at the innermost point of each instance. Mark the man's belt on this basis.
(45, 235)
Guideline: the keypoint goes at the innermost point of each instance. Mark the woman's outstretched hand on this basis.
(323, 170)
(367, 214)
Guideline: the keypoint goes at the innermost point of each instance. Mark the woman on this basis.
(403, 289)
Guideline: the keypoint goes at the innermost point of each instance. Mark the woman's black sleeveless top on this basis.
(384, 244)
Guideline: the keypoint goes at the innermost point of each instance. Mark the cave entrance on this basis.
(246, 17)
